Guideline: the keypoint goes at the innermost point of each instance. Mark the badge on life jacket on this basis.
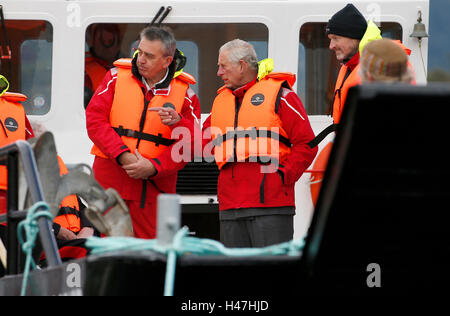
(257, 99)
(11, 124)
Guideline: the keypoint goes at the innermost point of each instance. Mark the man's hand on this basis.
(168, 115)
(127, 158)
(141, 169)
(85, 232)
(65, 234)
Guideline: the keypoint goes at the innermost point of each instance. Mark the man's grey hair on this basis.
(162, 34)
(240, 50)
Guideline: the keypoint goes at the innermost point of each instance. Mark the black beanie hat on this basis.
(348, 22)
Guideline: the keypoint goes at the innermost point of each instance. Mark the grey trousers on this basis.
(256, 231)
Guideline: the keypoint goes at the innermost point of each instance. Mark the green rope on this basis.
(183, 244)
(30, 227)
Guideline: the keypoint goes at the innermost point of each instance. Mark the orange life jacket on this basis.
(95, 71)
(343, 83)
(256, 130)
(12, 117)
(69, 210)
(129, 107)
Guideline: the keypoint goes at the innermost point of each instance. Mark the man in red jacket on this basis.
(257, 204)
(132, 144)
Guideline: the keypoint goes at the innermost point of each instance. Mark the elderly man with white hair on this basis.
(259, 131)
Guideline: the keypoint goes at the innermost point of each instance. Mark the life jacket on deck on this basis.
(255, 132)
(69, 210)
(139, 128)
(69, 218)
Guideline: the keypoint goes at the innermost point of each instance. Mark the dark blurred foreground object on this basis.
(383, 207)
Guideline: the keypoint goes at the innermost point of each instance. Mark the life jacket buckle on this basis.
(158, 140)
(130, 133)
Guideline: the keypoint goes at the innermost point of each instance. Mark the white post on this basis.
(168, 217)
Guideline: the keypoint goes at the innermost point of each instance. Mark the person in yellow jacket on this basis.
(348, 32)
(365, 57)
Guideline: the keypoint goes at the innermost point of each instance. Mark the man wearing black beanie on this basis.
(345, 30)
(348, 22)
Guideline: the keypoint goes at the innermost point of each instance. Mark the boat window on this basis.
(28, 66)
(318, 68)
(200, 43)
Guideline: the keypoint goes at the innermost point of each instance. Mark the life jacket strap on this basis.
(316, 140)
(157, 139)
(65, 210)
(253, 134)
(338, 91)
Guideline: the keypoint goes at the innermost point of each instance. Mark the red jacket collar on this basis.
(353, 62)
(239, 92)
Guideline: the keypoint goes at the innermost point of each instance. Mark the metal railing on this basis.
(11, 154)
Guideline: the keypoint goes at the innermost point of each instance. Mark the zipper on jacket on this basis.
(338, 91)
(237, 107)
(143, 117)
(4, 129)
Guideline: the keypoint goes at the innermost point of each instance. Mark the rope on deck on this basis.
(184, 244)
(31, 229)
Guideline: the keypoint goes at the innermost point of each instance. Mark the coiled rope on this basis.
(31, 229)
(182, 244)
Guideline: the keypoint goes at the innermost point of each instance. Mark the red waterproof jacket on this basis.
(107, 171)
(240, 183)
